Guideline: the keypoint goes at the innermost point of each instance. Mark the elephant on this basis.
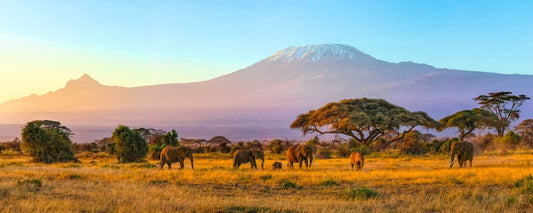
(464, 152)
(277, 165)
(248, 155)
(300, 154)
(357, 159)
(171, 155)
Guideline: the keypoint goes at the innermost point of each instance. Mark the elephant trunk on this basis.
(192, 161)
(162, 161)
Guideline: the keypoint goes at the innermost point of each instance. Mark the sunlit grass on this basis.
(388, 182)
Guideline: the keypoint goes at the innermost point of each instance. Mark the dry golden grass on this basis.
(403, 184)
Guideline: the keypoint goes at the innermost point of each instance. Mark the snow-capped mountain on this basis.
(316, 53)
(268, 94)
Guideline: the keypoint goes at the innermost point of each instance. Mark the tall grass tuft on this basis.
(360, 194)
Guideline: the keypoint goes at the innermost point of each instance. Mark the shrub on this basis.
(130, 145)
(158, 182)
(365, 150)
(275, 146)
(379, 145)
(224, 148)
(329, 182)
(413, 144)
(509, 140)
(343, 150)
(246, 209)
(285, 183)
(360, 194)
(12, 146)
(526, 183)
(154, 151)
(265, 177)
(313, 142)
(446, 146)
(413, 148)
(47, 141)
(253, 145)
(324, 153)
(235, 148)
(31, 184)
(170, 139)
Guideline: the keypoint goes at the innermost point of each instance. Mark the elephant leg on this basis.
(168, 165)
(234, 164)
(182, 163)
(352, 165)
(306, 163)
(238, 165)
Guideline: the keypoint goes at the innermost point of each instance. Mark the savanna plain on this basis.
(388, 182)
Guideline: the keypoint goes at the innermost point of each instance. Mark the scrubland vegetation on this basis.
(388, 182)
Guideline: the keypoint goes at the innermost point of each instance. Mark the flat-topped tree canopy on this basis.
(466, 121)
(504, 105)
(365, 120)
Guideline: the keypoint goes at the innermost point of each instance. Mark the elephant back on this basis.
(291, 153)
(355, 157)
(242, 156)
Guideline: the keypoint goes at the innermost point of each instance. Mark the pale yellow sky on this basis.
(33, 67)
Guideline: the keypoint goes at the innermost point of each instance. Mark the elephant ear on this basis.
(255, 153)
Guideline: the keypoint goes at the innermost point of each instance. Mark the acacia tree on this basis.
(525, 130)
(504, 105)
(365, 120)
(47, 141)
(467, 121)
(130, 145)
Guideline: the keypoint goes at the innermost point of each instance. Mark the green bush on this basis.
(286, 184)
(235, 148)
(275, 146)
(31, 184)
(170, 139)
(329, 182)
(526, 183)
(447, 146)
(324, 153)
(364, 149)
(509, 140)
(154, 151)
(47, 141)
(265, 177)
(343, 150)
(360, 194)
(130, 145)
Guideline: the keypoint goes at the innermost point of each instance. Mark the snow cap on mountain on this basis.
(315, 53)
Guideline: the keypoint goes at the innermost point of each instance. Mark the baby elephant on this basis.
(357, 159)
(276, 165)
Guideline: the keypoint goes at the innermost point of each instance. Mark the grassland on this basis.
(387, 183)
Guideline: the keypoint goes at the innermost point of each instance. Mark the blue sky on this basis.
(43, 44)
